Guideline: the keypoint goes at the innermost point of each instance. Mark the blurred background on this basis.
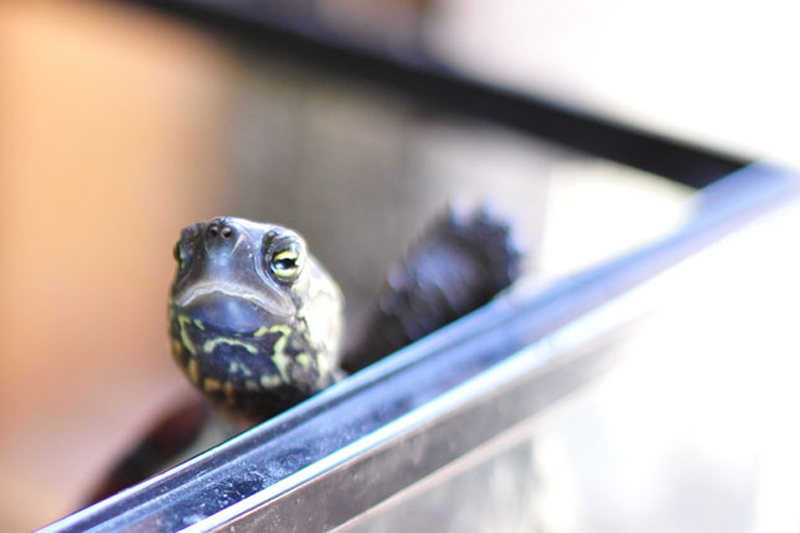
(119, 125)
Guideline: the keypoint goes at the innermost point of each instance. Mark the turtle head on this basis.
(255, 321)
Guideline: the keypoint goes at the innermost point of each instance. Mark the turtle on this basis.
(256, 322)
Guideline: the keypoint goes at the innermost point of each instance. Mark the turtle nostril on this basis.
(213, 231)
(226, 232)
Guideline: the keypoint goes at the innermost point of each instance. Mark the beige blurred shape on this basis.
(108, 145)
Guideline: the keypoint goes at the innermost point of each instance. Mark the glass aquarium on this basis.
(602, 392)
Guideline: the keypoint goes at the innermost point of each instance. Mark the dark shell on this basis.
(457, 266)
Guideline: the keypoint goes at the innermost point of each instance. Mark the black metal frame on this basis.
(434, 84)
(500, 366)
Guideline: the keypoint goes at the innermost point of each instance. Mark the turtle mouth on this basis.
(231, 308)
(271, 303)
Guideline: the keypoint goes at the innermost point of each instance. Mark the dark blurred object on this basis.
(395, 26)
(459, 265)
(166, 439)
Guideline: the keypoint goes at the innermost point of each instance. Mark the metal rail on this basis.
(476, 379)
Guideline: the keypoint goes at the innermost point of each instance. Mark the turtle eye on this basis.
(179, 256)
(286, 262)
